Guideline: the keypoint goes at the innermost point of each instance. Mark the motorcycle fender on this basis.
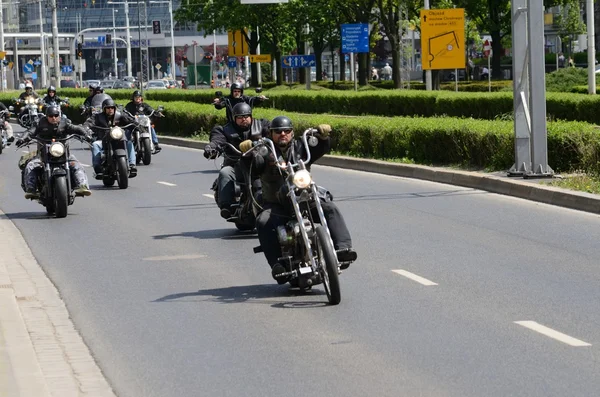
(120, 152)
(145, 135)
(59, 172)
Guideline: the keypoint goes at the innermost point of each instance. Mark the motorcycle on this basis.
(229, 107)
(141, 137)
(54, 183)
(247, 197)
(31, 116)
(306, 243)
(114, 158)
(3, 135)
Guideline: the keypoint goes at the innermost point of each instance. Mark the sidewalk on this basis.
(41, 352)
(530, 189)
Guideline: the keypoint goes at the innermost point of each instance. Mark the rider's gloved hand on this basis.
(324, 130)
(245, 145)
(20, 141)
(210, 152)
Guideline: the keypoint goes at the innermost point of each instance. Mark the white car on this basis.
(156, 85)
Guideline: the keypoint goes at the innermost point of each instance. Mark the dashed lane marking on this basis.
(210, 196)
(166, 183)
(549, 332)
(414, 277)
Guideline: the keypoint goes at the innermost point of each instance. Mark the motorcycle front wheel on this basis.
(329, 268)
(61, 197)
(122, 173)
(147, 151)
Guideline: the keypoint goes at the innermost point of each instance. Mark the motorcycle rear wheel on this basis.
(122, 173)
(329, 266)
(61, 197)
(147, 151)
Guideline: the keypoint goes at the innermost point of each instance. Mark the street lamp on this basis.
(170, 2)
(114, 39)
(129, 73)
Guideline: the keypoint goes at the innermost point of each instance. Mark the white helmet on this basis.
(28, 85)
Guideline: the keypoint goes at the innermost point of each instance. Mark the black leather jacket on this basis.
(100, 123)
(134, 108)
(232, 134)
(250, 100)
(48, 100)
(47, 130)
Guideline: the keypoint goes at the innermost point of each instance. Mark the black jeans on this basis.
(275, 215)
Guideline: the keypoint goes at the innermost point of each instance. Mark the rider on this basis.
(92, 92)
(24, 95)
(243, 128)
(275, 209)
(236, 96)
(51, 97)
(49, 127)
(137, 106)
(4, 119)
(100, 123)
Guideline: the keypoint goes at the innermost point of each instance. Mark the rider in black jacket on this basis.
(275, 207)
(243, 128)
(137, 106)
(4, 119)
(53, 126)
(236, 96)
(51, 98)
(100, 123)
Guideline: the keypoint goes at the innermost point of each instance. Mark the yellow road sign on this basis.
(237, 43)
(2, 55)
(260, 58)
(443, 39)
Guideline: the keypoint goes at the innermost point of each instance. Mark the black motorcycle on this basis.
(114, 157)
(54, 183)
(3, 135)
(305, 241)
(31, 112)
(141, 136)
(247, 196)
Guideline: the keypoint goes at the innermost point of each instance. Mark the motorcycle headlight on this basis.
(57, 149)
(302, 179)
(116, 133)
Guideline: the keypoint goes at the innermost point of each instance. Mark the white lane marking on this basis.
(414, 277)
(210, 196)
(174, 257)
(166, 183)
(549, 332)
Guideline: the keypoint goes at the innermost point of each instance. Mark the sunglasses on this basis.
(282, 132)
(53, 115)
(246, 116)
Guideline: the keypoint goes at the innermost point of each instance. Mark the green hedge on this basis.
(430, 141)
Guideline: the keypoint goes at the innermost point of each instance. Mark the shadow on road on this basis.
(245, 293)
(443, 193)
(198, 172)
(181, 207)
(30, 216)
(203, 234)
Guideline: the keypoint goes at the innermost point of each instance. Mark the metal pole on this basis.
(115, 45)
(591, 48)
(428, 82)
(140, 46)
(81, 40)
(128, 39)
(42, 47)
(16, 56)
(258, 69)
(173, 74)
(55, 43)
(195, 70)
(2, 44)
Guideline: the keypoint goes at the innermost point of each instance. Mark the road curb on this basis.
(528, 189)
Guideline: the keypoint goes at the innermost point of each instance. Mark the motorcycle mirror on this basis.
(161, 108)
(263, 151)
(259, 90)
(219, 94)
(313, 141)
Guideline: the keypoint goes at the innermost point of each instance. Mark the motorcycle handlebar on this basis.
(281, 163)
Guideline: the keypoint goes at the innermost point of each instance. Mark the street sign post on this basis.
(443, 39)
(27, 68)
(355, 37)
(298, 61)
(232, 62)
(487, 47)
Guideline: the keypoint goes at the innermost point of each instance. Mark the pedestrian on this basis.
(571, 63)
(374, 74)
(386, 72)
(561, 60)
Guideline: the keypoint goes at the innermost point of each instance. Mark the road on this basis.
(457, 292)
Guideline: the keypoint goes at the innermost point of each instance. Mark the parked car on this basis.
(87, 83)
(123, 84)
(156, 85)
(107, 84)
(68, 84)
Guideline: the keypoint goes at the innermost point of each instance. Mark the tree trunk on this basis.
(319, 47)
(497, 55)
(253, 45)
(342, 66)
(396, 60)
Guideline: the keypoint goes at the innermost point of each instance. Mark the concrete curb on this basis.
(527, 189)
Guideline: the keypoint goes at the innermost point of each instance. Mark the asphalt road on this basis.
(457, 292)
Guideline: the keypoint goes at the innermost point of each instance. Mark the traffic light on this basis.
(108, 39)
(79, 50)
(156, 27)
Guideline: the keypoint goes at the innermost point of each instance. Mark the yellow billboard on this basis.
(443, 39)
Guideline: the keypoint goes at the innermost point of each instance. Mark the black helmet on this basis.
(92, 87)
(237, 86)
(99, 90)
(281, 123)
(241, 109)
(51, 89)
(108, 103)
(53, 111)
(136, 93)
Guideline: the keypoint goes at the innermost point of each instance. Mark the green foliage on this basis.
(564, 79)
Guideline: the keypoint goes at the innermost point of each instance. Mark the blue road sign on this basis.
(66, 69)
(37, 63)
(232, 62)
(355, 37)
(102, 39)
(27, 68)
(298, 61)
(34, 76)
